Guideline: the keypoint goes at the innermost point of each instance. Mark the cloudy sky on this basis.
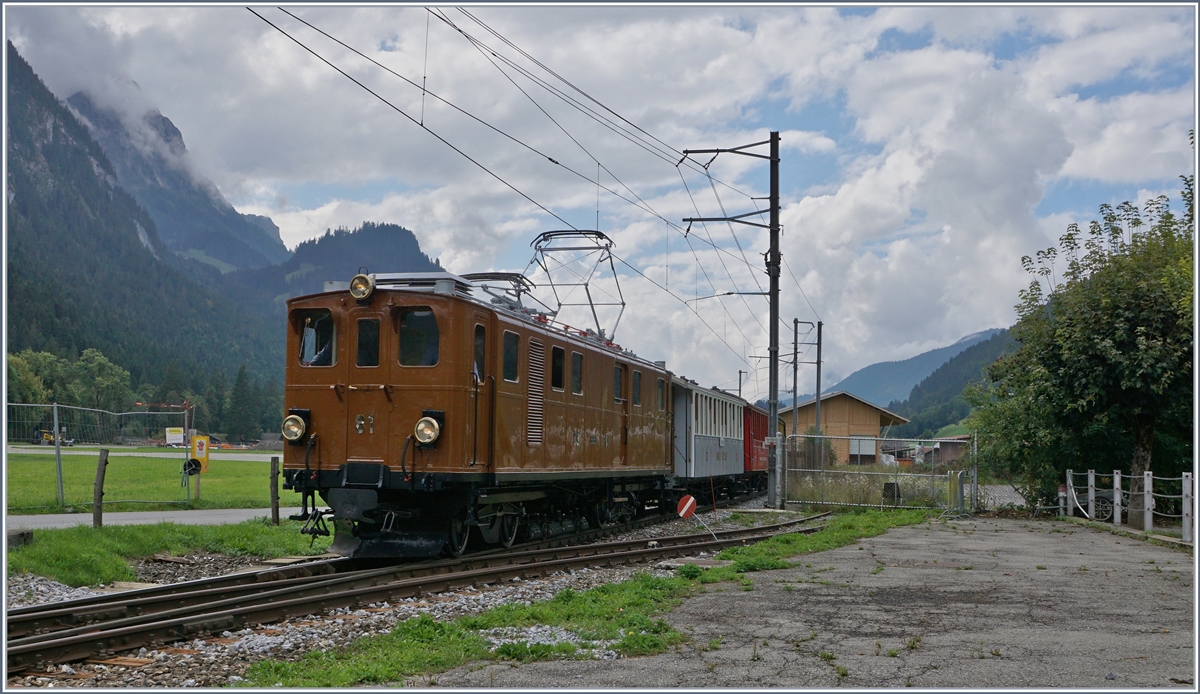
(924, 150)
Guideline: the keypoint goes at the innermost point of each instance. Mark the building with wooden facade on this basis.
(855, 422)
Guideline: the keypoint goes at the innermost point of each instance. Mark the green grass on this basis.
(624, 612)
(87, 556)
(32, 487)
(951, 430)
(197, 254)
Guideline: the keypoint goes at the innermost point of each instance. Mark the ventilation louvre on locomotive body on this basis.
(423, 415)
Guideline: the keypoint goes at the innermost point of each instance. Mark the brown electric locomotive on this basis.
(418, 408)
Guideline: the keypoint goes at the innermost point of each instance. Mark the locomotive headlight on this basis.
(362, 286)
(427, 430)
(293, 427)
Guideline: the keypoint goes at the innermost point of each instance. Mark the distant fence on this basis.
(34, 424)
(1106, 498)
(57, 425)
(875, 472)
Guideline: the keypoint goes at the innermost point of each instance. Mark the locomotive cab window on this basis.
(368, 342)
(577, 373)
(512, 342)
(318, 337)
(637, 389)
(557, 358)
(618, 384)
(662, 395)
(419, 337)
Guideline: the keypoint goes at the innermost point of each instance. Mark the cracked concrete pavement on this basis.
(986, 603)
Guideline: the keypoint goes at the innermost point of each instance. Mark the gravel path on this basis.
(223, 660)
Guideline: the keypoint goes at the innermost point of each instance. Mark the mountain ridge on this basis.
(151, 162)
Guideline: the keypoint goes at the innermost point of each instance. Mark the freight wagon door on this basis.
(368, 400)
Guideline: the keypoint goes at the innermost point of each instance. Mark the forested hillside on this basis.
(338, 255)
(891, 380)
(938, 399)
(86, 267)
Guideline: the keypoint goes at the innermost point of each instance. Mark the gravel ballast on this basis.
(223, 660)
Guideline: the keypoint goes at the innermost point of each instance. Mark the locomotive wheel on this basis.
(509, 525)
(460, 534)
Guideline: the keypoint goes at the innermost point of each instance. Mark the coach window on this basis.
(318, 337)
(368, 342)
(511, 343)
(637, 389)
(577, 373)
(419, 337)
(662, 395)
(618, 386)
(557, 358)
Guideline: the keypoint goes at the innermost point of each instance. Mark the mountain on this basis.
(338, 255)
(88, 268)
(151, 162)
(893, 380)
(937, 400)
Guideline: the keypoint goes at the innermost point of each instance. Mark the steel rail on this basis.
(126, 609)
(229, 614)
(70, 612)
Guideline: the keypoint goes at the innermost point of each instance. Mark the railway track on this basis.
(153, 617)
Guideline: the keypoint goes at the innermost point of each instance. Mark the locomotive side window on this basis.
(662, 395)
(577, 373)
(618, 386)
(512, 342)
(480, 350)
(318, 337)
(368, 342)
(557, 358)
(637, 388)
(418, 337)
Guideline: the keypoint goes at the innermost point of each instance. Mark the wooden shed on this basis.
(857, 423)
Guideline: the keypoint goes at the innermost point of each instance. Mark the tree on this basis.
(24, 384)
(242, 421)
(102, 385)
(1104, 369)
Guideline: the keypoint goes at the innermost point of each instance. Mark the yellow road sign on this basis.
(200, 451)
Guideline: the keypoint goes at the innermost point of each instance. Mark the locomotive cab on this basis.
(381, 400)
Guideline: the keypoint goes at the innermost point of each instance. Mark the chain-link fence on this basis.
(34, 425)
(874, 472)
(44, 481)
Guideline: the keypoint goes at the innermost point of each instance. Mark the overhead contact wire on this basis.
(415, 121)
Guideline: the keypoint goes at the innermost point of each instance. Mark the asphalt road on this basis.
(201, 517)
(988, 603)
(165, 453)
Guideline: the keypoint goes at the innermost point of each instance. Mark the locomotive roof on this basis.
(477, 288)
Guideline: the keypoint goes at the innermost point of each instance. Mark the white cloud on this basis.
(943, 153)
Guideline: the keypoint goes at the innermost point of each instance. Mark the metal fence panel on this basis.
(878, 472)
(34, 425)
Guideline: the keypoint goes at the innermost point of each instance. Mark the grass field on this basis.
(87, 556)
(31, 485)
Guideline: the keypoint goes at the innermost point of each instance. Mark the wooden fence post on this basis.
(1148, 501)
(1117, 497)
(98, 490)
(1070, 493)
(274, 490)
